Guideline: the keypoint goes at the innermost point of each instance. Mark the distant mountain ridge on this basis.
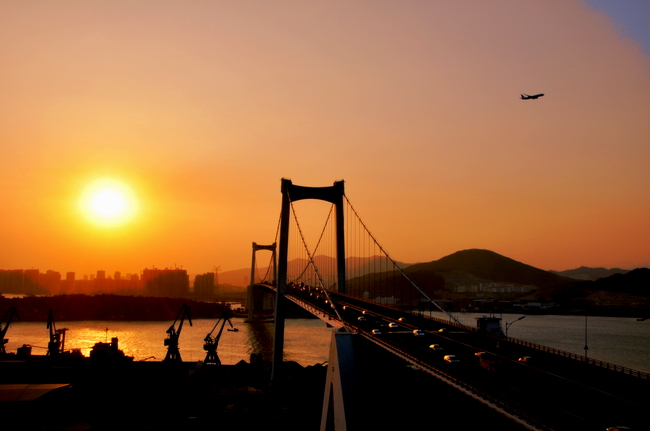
(357, 267)
(469, 266)
(476, 274)
(586, 273)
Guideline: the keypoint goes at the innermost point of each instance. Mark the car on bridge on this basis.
(393, 325)
(451, 359)
(436, 347)
(376, 332)
(418, 332)
(488, 361)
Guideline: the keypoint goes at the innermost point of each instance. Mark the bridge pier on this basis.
(260, 304)
(341, 392)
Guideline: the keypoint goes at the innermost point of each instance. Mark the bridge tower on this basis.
(256, 299)
(292, 193)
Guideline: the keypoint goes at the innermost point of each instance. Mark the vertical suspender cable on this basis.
(397, 266)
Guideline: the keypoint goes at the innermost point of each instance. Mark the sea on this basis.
(617, 340)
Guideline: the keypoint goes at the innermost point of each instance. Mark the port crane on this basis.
(56, 345)
(211, 343)
(4, 327)
(173, 334)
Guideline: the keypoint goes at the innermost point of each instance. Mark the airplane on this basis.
(534, 96)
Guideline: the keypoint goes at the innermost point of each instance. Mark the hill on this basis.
(482, 266)
(635, 282)
(619, 294)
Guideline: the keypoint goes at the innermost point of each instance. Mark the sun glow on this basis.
(108, 203)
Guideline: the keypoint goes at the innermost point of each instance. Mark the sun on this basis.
(108, 203)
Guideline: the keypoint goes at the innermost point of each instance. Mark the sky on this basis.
(194, 111)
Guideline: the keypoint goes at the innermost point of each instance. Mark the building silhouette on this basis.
(204, 286)
(172, 283)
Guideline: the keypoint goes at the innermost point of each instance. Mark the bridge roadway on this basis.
(548, 392)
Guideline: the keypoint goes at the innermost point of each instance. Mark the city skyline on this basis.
(157, 133)
(170, 282)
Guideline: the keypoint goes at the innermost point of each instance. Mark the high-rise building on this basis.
(204, 286)
(100, 285)
(12, 280)
(68, 285)
(31, 281)
(51, 280)
(173, 283)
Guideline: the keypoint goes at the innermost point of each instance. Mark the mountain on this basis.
(237, 277)
(475, 265)
(586, 273)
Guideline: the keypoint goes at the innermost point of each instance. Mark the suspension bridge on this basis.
(347, 279)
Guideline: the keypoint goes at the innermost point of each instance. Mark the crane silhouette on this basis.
(173, 334)
(211, 343)
(4, 327)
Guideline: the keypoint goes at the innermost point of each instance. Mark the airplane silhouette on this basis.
(534, 96)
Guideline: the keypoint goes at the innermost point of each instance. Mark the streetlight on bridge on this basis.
(509, 324)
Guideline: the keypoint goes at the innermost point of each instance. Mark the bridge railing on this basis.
(451, 323)
(590, 361)
(581, 358)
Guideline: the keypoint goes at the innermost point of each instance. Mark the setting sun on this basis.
(108, 202)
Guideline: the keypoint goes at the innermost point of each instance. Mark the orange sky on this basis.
(201, 107)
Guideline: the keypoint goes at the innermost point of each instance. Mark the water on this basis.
(621, 341)
(306, 340)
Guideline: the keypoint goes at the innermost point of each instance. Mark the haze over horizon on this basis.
(141, 134)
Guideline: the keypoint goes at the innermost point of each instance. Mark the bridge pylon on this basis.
(256, 300)
(292, 193)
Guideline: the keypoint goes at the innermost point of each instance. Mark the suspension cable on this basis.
(322, 234)
(396, 265)
(313, 264)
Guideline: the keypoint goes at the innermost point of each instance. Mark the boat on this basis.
(109, 351)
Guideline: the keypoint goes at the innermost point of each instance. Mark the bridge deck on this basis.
(549, 391)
